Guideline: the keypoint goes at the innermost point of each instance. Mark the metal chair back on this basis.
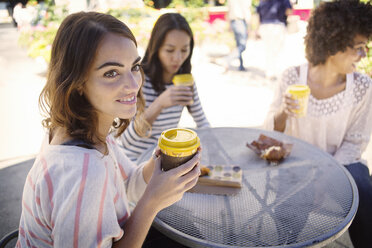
(7, 238)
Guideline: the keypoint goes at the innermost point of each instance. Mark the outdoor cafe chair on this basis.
(7, 238)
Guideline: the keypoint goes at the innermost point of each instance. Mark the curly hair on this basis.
(151, 63)
(73, 52)
(333, 26)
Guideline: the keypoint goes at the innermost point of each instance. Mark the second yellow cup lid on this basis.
(183, 78)
(299, 89)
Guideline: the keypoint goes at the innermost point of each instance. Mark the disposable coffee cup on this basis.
(184, 80)
(177, 146)
(300, 92)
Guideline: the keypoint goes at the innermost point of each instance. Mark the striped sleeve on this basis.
(197, 112)
(132, 143)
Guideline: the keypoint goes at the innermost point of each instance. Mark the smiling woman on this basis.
(77, 193)
(339, 114)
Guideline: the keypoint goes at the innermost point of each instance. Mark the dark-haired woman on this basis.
(339, 117)
(168, 53)
(77, 193)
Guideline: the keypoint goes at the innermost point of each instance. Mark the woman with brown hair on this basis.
(339, 114)
(78, 191)
(168, 53)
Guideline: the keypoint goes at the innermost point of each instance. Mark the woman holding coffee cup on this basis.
(78, 191)
(168, 55)
(339, 113)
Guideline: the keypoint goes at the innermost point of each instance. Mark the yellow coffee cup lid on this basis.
(182, 78)
(179, 140)
(299, 89)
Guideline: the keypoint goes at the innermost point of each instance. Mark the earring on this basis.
(80, 91)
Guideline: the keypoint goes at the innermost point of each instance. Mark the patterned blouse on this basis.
(340, 125)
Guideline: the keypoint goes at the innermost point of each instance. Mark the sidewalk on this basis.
(20, 85)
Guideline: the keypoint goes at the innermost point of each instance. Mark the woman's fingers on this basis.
(290, 105)
(192, 175)
(188, 166)
(182, 91)
(157, 168)
(191, 184)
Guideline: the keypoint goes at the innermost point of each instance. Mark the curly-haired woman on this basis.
(339, 117)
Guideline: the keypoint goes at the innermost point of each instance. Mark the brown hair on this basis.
(333, 26)
(151, 63)
(73, 52)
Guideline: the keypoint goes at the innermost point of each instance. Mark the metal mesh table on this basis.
(307, 200)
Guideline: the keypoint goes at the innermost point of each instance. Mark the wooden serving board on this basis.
(221, 180)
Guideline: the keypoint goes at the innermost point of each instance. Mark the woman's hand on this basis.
(173, 95)
(168, 187)
(289, 105)
(287, 108)
(176, 95)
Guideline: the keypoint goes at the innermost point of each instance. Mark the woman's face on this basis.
(114, 79)
(174, 51)
(345, 62)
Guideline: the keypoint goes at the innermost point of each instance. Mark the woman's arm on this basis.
(173, 95)
(164, 189)
(280, 119)
(137, 226)
(197, 112)
(359, 126)
(282, 105)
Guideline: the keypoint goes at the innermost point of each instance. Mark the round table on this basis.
(308, 200)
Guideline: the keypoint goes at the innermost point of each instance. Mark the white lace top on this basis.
(340, 125)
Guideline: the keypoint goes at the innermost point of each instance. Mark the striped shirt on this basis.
(76, 197)
(134, 145)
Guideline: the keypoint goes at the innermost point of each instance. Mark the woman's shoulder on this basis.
(70, 161)
(147, 85)
(118, 152)
(362, 85)
(291, 75)
(361, 78)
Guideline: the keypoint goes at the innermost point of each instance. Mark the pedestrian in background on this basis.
(272, 28)
(239, 15)
(339, 114)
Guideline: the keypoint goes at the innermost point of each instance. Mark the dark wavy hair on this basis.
(333, 26)
(151, 63)
(73, 51)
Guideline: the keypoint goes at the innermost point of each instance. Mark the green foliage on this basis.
(130, 14)
(195, 15)
(38, 39)
(149, 3)
(140, 21)
(179, 3)
(187, 3)
(365, 65)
